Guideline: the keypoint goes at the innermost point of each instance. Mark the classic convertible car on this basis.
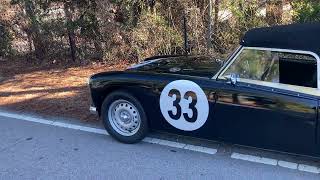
(265, 95)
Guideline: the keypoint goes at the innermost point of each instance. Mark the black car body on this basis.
(265, 95)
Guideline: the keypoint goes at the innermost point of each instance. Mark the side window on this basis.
(276, 67)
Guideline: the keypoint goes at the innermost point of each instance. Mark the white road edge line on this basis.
(287, 164)
(256, 159)
(307, 168)
(162, 142)
(201, 149)
(275, 162)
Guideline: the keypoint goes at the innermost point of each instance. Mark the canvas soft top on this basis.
(295, 37)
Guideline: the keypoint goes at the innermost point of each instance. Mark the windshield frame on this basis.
(230, 58)
(219, 76)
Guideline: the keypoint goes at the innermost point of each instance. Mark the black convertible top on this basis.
(295, 36)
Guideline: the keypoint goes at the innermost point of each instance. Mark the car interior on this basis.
(277, 67)
(298, 72)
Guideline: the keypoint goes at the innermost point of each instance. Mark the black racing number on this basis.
(192, 106)
(175, 104)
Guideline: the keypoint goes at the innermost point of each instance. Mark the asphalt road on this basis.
(36, 151)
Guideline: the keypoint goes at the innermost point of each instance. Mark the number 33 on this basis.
(176, 104)
(184, 105)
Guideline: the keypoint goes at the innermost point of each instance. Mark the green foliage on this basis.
(135, 29)
(153, 36)
(246, 15)
(5, 41)
(306, 10)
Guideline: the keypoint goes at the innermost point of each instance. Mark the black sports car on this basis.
(265, 95)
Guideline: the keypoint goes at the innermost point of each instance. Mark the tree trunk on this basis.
(136, 12)
(209, 39)
(71, 34)
(216, 16)
(97, 38)
(72, 45)
(38, 40)
(215, 34)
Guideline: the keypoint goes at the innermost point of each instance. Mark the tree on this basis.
(69, 10)
(88, 24)
(274, 11)
(34, 28)
(5, 36)
(306, 10)
(5, 41)
(216, 41)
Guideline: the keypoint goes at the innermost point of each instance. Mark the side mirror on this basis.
(232, 78)
(221, 61)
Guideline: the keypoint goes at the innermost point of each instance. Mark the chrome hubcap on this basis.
(124, 117)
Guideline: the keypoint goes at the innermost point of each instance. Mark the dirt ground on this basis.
(49, 90)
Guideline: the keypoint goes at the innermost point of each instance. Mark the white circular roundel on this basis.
(184, 105)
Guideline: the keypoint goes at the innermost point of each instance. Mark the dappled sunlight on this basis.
(53, 92)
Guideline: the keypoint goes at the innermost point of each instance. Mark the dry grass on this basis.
(57, 91)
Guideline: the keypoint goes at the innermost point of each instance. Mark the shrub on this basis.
(154, 36)
(306, 10)
(5, 41)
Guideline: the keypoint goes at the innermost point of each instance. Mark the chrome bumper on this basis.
(93, 110)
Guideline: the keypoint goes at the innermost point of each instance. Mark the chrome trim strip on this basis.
(143, 63)
(93, 110)
(288, 87)
(306, 90)
(88, 80)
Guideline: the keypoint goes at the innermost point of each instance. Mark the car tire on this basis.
(124, 118)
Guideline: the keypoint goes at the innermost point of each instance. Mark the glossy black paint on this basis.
(257, 116)
(202, 66)
(248, 115)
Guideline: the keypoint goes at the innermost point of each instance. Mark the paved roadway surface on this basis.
(36, 151)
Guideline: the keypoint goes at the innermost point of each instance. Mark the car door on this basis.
(184, 107)
(266, 118)
(265, 114)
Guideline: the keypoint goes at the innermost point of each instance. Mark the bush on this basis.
(5, 41)
(154, 36)
(117, 30)
(306, 11)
